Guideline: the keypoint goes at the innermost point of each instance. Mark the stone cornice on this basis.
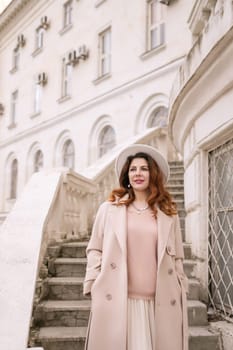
(200, 14)
(11, 12)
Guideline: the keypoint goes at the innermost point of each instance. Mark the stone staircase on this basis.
(60, 319)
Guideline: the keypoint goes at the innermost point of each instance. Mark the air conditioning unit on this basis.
(72, 58)
(44, 22)
(21, 40)
(1, 109)
(42, 79)
(83, 52)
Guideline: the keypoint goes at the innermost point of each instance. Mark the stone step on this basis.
(204, 338)
(175, 187)
(62, 338)
(176, 162)
(182, 222)
(63, 313)
(74, 250)
(180, 204)
(75, 313)
(194, 289)
(177, 167)
(187, 250)
(71, 288)
(197, 313)
(175, 181)
(177, 196)
(65, 288)
(189, 268)
(70, 267)
(181, 212)
(73, 338)
(76, 267)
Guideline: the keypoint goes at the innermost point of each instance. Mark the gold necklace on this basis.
(140, 210)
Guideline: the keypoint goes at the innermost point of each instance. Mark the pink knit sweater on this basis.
(141, 254)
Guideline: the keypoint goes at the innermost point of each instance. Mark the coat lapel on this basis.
(119, 214)
(164, 226)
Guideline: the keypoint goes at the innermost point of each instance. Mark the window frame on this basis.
(15, 58)
(67, 156)
(156, 25)
(37, 98)
(105, 56)
(38, 161)
(13, 179)
(14, 103)
(66, 79)
(39, 38)
(67, 14)
(104, 148)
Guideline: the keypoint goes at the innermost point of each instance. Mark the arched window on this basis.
(158, 117)
(106, 141)
(38, 161)
(68, 154)
(13, 178)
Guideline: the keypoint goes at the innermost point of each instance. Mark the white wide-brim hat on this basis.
(139, 148)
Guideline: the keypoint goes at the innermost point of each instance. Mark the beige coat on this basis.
(106, 279)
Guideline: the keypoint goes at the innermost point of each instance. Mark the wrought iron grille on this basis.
(220, 244)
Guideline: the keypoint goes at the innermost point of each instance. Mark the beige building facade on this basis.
(201, 126)
(79, 79)
(71, 91)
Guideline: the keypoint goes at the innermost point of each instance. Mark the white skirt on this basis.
(141, 324)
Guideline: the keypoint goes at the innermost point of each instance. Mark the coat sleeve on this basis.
(94, 250)
(180, 255)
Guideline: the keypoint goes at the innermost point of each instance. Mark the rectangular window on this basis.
(14, 105)
(39, 38)
(156, 25)
(105, 52)
(15, 58)
(66, 78)
(67, 17)
(37, 97)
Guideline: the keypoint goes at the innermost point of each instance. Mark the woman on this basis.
(134, 269)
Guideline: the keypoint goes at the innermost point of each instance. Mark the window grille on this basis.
(220, 247)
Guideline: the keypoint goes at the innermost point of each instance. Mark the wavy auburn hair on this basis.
(158, 194)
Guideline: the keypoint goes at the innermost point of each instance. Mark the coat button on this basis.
(108, 296)
(173, 302)
(170, 271)
(113, 265)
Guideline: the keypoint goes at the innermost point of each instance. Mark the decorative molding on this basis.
(12, 11)
(200, 14)
(152, 52)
